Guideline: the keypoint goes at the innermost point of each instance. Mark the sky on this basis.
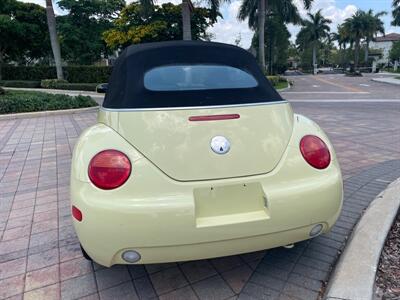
(228, 29)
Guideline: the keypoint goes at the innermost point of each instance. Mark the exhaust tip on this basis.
(130, 256)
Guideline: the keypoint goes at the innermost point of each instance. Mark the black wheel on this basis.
(85, 255)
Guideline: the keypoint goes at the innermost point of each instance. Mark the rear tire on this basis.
(85, 255)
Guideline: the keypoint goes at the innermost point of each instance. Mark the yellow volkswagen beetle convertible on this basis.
(195, 155)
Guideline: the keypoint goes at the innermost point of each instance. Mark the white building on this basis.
(385, 44)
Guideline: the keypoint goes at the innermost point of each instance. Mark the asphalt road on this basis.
(340, 87)
(334, 88)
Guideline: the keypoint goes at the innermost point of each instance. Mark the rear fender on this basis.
(304, 126)
(93, 140)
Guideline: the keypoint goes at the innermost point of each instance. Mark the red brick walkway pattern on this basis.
(39, 252)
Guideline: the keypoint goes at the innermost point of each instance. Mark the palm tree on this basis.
(373, 26)
(356, 28)
(313, 30)
(396, 13)
(257, 10)
(187, 8)
(343, 39)
(55, 44)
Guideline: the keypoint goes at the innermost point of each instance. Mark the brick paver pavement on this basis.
(39, 251)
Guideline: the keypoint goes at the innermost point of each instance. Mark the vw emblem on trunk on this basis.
(220, 144)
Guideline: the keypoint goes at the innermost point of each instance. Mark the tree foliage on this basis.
(256, 13)
(313, 30)
(396, 13)
(82, 28)
(23, 31)
(157, 23)
(373, 24)
(395, 51)
(362, 26)
(285, 9)
(277, 44)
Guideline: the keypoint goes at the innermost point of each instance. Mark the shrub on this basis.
(22, 101)
(87, 74)
(278, 82)
(28, 73)
(276, 79)
(2, 91)
(65, 85)
(353, 73)
(51, 83)
(81, 74)
(77, 86)
(20, 83)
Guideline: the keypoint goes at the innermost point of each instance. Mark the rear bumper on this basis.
(168, 226)
(164, 254)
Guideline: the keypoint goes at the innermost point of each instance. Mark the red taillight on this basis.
(109, 169)
(315, 151)
(76, 213)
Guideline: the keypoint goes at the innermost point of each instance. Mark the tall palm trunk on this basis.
(55, 45)
(356, 53)
(261, 33)
(187, 30)
(366, 52)
(314, 57)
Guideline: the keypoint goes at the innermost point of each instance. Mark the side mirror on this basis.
(102, 88)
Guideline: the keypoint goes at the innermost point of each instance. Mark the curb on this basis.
(37, 114)
(53, 91)
(391, 81)
(354, 275)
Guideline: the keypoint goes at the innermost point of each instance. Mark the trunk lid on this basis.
(182, 148)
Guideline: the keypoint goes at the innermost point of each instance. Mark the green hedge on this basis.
(65, 85)
(22, 101)
(91, 87)
(20, 83)
(52, 83)
(81, 74)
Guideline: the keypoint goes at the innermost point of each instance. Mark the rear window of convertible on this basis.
(186, 74)
(197, 77)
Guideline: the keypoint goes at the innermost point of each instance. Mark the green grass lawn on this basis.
(281, 85)
(23, 101)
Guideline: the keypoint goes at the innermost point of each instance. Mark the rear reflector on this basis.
(214, 117)
(76, 213)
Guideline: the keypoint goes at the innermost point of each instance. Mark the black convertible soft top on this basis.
(127, 88)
